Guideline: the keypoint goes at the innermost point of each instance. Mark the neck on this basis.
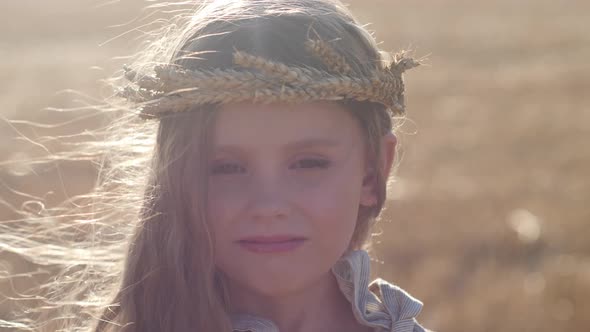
(298, 311)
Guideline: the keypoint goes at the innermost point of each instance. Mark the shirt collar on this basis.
(379, 304)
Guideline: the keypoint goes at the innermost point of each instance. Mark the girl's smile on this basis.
(271, 244)
(285, 186)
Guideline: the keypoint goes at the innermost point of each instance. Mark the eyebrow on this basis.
(313, 142)
(297, 145)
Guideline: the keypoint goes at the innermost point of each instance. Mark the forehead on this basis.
(279, 123)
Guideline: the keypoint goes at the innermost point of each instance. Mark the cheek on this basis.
(226, 197)
(222, 207)
(332, 205)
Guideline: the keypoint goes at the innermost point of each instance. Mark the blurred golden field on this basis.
(489, 219)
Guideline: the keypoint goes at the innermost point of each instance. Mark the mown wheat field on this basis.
(488, 221)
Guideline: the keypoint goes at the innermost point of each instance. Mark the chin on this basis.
(275, 288)
(274, 283)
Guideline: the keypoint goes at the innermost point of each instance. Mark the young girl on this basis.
(273, 146)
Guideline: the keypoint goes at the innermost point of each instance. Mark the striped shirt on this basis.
(381, 305)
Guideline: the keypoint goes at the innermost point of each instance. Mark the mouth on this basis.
(271, 244)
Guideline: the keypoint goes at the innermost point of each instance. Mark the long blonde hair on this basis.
(144, 260)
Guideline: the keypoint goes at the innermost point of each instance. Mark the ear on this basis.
(369, 185)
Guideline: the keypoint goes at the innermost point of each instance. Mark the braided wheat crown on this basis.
(174, 89)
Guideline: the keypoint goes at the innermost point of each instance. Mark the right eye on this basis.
(226, 169)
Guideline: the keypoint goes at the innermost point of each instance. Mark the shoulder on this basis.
(379, 304)
(402, 307)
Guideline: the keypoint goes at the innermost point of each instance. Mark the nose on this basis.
(268, 200)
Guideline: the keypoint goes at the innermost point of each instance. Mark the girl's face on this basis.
(286, 182)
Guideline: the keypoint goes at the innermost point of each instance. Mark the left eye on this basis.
(311, 163)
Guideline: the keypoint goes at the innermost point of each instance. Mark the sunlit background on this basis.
(489, 218)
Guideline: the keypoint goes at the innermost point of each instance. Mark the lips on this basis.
(271, 244)
(271, 239)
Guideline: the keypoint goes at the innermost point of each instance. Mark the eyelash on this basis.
(307, 163)
(225, 168)
(314, 163)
